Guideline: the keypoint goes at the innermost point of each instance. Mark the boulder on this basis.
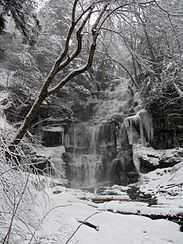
(148, 159)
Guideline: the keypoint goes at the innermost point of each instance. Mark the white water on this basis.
(85, 165)
(84, 170)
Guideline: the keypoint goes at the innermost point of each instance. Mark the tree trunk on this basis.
(29, 117)
(62, 61)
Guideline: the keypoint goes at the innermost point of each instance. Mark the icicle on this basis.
(132, 133)
(128, 130)
(142, 137)
(144, 121)
(146, 126)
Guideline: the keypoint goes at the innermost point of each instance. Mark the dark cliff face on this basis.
(168, 130)
(165, 103)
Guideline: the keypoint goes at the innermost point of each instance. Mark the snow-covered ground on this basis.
(64, 208)
(166, 184)
(54, 215)
(61, 222)
(49, 213)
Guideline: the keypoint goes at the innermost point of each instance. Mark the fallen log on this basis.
(177, 218)
(102, 199)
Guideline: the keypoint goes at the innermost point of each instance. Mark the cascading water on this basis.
(86, 163)
(84, 171)
(91, 157)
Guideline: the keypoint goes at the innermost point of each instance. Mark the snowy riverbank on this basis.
(60, 224)
(52, 213)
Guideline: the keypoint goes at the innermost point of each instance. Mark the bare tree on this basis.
(84, 13)
(78, 25)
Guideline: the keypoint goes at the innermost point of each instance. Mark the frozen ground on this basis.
(59, 224)
(67, 208)
(52, 213)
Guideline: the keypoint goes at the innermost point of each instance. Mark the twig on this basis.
(44, 217)
(96, 227)
(16, 206)
(68, 240)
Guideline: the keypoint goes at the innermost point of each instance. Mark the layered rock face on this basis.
(168, 127)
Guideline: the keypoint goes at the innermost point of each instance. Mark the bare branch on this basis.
(166, 11)
(127, 71)
(75, 72)
(95, 32)
(74, 10)
(79, 41)
(178, 90)
(121, 7)
(80, 226)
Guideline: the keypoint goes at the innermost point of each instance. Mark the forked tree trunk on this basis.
(63, 61)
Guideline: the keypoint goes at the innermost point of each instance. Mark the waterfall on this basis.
(85, 161)
(92, 153)
(84, 170)
(94, 134)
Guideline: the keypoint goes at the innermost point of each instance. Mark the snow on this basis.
(64, 207)
(4, 125)
(114, 228)
(166, 184)
(140, 208)
(41, 4)
(49, 151)
(16, 190)
(55, 212)
(52, 211)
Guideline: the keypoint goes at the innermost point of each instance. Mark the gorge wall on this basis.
(106, 148)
